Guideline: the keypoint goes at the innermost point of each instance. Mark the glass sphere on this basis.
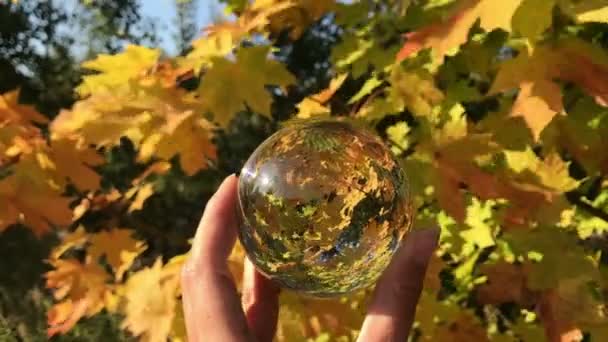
(324, 206)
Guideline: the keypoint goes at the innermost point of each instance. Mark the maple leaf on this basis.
(544, 99)
(562, 257)
(191, 140)
(83, 289)
(444, 37)
(415, 91)
(229, 87)
(308, 108)
(255, 18)
(539, 99)
(160, 121)
(479, 219)
(116, 70)
(24, 199)
(13, 112)
(216, 44)
(74, 163)
(552, 172)
(118, 247)
(150, 303)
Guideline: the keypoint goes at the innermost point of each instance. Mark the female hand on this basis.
(214, 311)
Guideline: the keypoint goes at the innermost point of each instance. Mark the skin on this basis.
(214, 311)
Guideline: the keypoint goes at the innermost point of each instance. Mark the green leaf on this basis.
(482, 226)
(533, 17)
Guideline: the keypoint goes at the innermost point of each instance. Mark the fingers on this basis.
(216, 233)
(261, 303)
(391, 312)
(212, 307)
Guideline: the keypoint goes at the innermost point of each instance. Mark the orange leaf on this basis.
(443, 36)
(11, 111)
(119, 248)
(453, 32)
(538, 103)
(84, 288)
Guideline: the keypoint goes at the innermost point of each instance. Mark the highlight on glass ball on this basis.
(324, 206)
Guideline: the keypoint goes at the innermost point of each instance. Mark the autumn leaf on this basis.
(296, 17)
(118, 247)
(415, 91)
(161, 122)
(150, 304)
(83, 289)
(75, 163)
(191, 140)
(539, 99)
(551, 172)
(334, 85)
(229, 87)
(308, 108)
(116, 70)
(482, 229)
(25, 199)
(444, 37)
(13, 112)
(205, 49)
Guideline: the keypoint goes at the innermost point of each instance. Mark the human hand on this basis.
(213, 310)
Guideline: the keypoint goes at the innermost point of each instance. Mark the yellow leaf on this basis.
(308, 108)
(150, 304)
(191, 140)
(116, 70)
(118, 247)
(229, 87)
(552, 172)
(160, 121)
(143, 193)
(205, 49)
(415, 90)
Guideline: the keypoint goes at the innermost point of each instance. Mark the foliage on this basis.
(497, 110)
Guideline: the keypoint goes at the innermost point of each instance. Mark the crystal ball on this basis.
(323, 206)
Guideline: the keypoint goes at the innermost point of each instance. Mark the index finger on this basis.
(212, 307)
(391, 312)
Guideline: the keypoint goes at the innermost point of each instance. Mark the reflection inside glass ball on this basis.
(324, 206)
